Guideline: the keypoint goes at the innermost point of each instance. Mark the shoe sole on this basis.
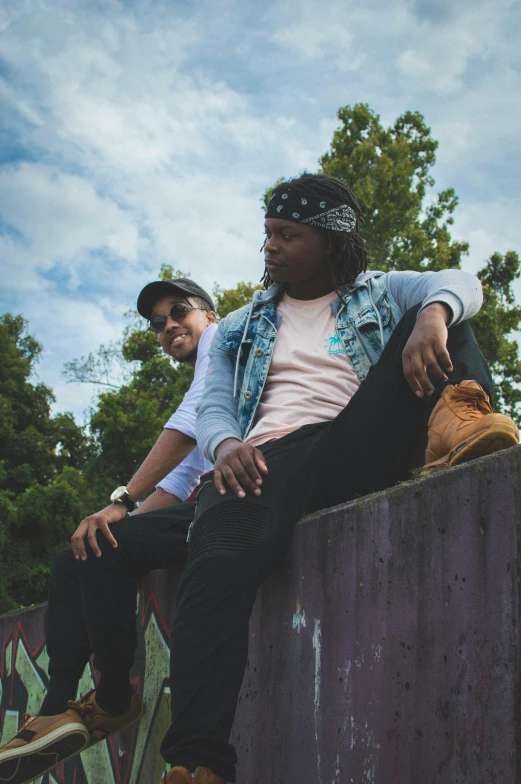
(493, 439)
(27, 764)
(23, 765)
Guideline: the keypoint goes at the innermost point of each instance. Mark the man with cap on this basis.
(92, 601)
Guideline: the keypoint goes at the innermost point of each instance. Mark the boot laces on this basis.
(473, 401)
(83, 707)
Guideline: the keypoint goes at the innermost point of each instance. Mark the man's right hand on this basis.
(90, 526)
(238, 464)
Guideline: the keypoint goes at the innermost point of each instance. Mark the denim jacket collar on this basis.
(276, 290)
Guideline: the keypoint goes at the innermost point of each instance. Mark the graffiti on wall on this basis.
(129, 757)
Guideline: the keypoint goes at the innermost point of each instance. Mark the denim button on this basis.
(248, 395)
(259, 352)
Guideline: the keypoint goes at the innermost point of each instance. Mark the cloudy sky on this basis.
(142, 132)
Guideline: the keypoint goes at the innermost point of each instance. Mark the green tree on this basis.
(407, 226)
(43, 493)
(389, 170)
(105, 367)
(127, 422)
(228, 300)
(495, 325)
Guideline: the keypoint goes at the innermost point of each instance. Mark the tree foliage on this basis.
(99, 367)
(43, 493)
(228, 300)
(127, 422)
(495, 327)
(389, 170)
(52, 474)
(407, 226)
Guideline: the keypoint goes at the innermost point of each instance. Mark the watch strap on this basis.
(122, 496)
(128, 502)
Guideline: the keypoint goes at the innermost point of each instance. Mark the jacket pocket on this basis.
(231, 343)
(367, 318)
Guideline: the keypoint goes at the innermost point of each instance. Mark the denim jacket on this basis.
(366, 314)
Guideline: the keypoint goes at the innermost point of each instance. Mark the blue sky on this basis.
(139, 133)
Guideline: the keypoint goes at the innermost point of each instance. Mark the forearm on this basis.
(157, 500)
(217, 411)
(217, 415)
(170, 449)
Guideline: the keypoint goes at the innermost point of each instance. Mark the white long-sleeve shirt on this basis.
(185, 477)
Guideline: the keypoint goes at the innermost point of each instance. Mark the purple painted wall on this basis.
(387, 650)
(384, 650)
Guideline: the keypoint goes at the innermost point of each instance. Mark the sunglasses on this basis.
(178, 312)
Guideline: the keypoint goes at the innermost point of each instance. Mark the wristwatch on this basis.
(122, 496)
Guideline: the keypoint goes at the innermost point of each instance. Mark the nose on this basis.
(270, 247)
(171, 323)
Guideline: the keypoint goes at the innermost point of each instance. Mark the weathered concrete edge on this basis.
(510, 456)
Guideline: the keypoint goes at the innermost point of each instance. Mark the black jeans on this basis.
(92, 603)
(235, 543)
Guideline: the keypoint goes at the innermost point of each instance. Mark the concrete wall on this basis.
(384, 651)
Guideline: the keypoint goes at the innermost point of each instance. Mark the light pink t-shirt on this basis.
(310, 378)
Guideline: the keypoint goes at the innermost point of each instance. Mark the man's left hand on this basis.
(426, 360)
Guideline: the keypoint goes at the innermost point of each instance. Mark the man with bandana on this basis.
(333, 384)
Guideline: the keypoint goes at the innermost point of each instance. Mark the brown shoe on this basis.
(205, 776)
(42, 743)
(98, 722)
(462, 427)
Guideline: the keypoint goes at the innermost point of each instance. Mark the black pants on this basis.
(235, 543)
(92, 603)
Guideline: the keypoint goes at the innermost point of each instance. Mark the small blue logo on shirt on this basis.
(333, 345)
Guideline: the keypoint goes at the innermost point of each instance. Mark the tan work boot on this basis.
(42, 743)
(462, 426)
(179, 775)
(98, 722)
(205, 776)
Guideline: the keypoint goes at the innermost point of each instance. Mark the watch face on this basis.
(118, 493)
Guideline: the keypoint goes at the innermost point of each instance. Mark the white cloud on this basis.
(313, 31)
(489, 228)
(60, 217)
(440, 60)
(149, 133)
(70, 327)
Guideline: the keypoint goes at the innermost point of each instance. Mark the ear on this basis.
(211, 317)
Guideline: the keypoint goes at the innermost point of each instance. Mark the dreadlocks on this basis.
(346, 252)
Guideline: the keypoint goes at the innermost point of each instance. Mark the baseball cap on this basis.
(160, 288)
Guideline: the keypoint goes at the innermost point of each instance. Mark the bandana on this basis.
(325, 214)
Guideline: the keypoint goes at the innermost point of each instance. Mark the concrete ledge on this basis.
(383, 651)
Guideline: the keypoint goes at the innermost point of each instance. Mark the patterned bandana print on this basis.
(328, 214)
